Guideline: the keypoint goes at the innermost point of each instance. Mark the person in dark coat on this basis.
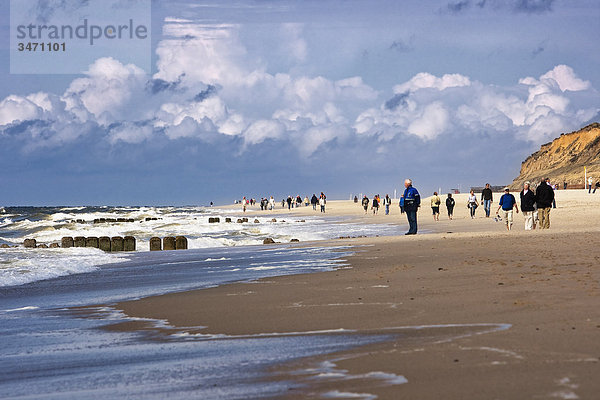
(544, 196)
(527, 205)
(450, 205)
(314, 201)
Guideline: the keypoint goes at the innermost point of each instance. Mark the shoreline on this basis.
(543, 283)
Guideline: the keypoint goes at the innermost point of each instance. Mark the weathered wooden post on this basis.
(30, 243)
(181, 243)
(91, 241)
(128, 243)
(66, 242)
(79, 241)
(116, 243)
(155, 244)
(104, 243)
(169, 243)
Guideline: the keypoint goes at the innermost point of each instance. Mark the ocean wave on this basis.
(49, 225)
(21, 266)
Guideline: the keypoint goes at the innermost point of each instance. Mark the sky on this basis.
(281, 97)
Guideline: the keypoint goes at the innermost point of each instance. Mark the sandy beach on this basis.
(478, 312)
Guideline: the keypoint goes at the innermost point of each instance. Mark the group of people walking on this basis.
(535, 206)
(289, 202)
(376, 203)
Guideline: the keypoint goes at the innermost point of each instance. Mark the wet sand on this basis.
(544, 284)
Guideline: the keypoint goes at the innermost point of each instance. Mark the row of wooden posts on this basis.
(168, 243)
(115, 243)
(112, 244)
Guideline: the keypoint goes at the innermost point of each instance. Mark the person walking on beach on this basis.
(435, 206)
(508, 202)
(544, 196)
(306, 201)
(487, 199)
(387, 202)
(289, 202)
(450, 205)
(365, 203)
(590, 181)
(411, 203)
(375, 205)
(271, 203)
(322, 202)
(314, 200)
(527, 205)
(472, 203)
(244, 204)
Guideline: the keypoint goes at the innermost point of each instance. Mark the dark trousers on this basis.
(412, 221)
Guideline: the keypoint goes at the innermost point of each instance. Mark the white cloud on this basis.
(431, 123)
(566, 79)
(108, 87)
(261, 130)
(18, 109)
(207, 84)
(424, 80)
(536, 109)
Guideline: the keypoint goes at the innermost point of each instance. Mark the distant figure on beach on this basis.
(508, 202)
(590, 181)
(450, 205)
(322, 202)
(314, 201)
(544, 196)
(387, 202)
(411, 204)
(306, 201)
(472, 203)
(375, 205)
(564, 185)
(271, 203)
(365, 203)
(289, 202)
(487, 199)
(527, 205)
(435, 206)
(244, 203)
(356, 199)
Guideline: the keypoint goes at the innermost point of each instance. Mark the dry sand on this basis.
(545, 284)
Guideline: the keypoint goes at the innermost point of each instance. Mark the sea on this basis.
(57, 306)
(55, 303)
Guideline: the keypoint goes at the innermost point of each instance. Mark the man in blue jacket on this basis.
(508, 202)
(412, 202)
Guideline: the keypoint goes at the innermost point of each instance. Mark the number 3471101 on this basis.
(43, 46)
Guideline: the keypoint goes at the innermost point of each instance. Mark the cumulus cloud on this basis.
(18, 109)
(207, 86)
(534, 109)
(425, 80)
